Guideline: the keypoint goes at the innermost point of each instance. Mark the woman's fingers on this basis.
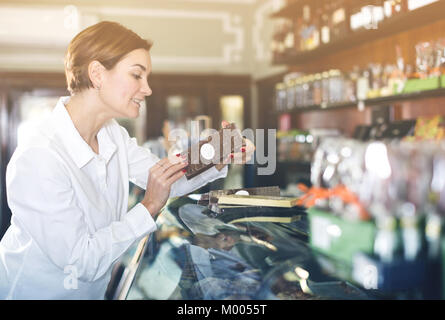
(161, 165)
(239, 158)
(224, 123)
(173, 169)
(250, 147)
(175, 177)
(164, 164)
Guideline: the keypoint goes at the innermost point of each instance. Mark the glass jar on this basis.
(305, 85)
(280, 96)
(317, 89)
(325, 89)
(310, 94)
(290, 94)
(335, 87)
(325, 23)
(299, 98)
(339, 22)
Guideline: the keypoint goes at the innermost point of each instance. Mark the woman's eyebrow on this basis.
(140, 66)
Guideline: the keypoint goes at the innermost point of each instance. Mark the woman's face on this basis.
(125, 86)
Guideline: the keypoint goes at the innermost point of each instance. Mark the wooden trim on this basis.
(32, 80)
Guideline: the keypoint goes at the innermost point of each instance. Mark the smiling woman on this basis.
(67, 182)
(106, 42)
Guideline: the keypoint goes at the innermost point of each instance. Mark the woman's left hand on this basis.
(241, 157)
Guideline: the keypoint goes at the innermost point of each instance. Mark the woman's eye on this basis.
(136, 76)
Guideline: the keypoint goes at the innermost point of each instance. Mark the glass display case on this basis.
(193, 256)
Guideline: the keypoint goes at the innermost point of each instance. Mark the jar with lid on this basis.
(363, 85)
(351, 85)
(325, 23)
(305, 85)
(399, 6)
(299, 99)
(280, 96)
(317, 89)
(310, 92)
(290, 94)
(335, 86)
(325, 88)
(289, 38)
(339, 22)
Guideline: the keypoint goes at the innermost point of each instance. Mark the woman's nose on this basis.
(146, 90)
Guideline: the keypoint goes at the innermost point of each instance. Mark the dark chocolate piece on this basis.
(213, 150)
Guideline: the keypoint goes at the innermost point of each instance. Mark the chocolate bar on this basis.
(258, 191)
(213, 150)
(210, 199)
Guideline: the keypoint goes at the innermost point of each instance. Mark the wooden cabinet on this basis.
(196, 95)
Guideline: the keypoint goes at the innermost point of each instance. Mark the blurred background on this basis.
(362, 69)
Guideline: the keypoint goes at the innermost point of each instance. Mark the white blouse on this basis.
(69, 206)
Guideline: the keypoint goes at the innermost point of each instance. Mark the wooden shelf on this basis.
(372, 102)
(403, 22)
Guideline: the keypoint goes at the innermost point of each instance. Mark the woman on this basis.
(67, 184)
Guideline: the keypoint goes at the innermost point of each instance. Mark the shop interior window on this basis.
(32, 109)
(232, 110)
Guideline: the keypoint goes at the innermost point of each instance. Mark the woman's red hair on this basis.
(107, 42)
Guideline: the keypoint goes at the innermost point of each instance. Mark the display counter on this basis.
(193, 256)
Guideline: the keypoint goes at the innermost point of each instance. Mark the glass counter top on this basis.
(193, 256)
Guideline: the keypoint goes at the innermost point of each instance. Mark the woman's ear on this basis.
(96, 73)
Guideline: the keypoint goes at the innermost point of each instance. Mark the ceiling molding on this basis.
(261, 49)
(231, 24)
(241, 2)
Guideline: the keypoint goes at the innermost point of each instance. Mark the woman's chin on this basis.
(134, 114)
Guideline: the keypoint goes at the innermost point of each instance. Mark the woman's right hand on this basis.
(160, 179)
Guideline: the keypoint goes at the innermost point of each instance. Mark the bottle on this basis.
(351, 85)
(399, 6)
(363, 86)
(387, 242)
(411, 235)
(433, 232)
(305, 33)
(317, 93)
(387, 8)
(338, 19)
(324, 89)
(289, 38)
(290, 94)
(299, 92)
(305, 86)
(325, 29)
(335, 87)
(311, 79)
(280, 96)
(412, 238)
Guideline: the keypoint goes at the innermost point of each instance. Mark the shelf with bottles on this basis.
(317, 31)
(295, 146)
(380, 205)
(376, 84)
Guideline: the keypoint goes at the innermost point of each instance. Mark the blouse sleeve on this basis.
(42, 198)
